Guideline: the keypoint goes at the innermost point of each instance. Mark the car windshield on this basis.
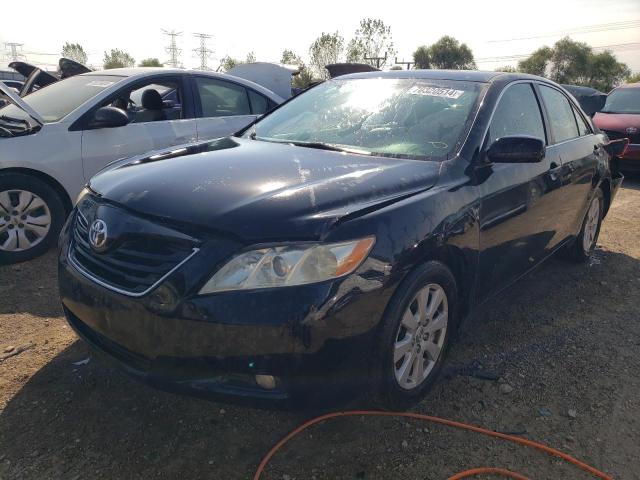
(59, 99)
(623, 100)
(406, 118)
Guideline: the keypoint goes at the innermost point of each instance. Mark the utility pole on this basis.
(173, 49)
(377, 59)
(12, 54)
(408, 64)
(203, 52)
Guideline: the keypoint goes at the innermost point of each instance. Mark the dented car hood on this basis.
(259, 190)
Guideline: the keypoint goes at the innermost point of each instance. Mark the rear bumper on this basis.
(214, 345)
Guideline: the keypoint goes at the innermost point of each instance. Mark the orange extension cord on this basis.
(442, 421)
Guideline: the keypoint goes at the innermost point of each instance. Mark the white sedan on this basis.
(53, 140)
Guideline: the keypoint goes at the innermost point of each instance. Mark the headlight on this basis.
(288, 265)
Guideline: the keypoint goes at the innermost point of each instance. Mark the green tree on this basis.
(372, 39)
(633, 78)
(605, 72)
(537, 62)
(325, 49)
(421, 57)
(569, 61)
(117, 59)
(506, 69)
(575, 63)
(227, 63)
(150, 62)
(304, 77)
(450, 54)
(74, 51)
(396, 67)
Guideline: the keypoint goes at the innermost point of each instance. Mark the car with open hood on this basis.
(620, 118)
(338, 241)
(55, 138)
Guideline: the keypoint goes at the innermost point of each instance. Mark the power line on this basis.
(585, 29)
(378, 60)
(617, 47)
(12, 52)
(203, 52)
(173, 49)
(408, 64)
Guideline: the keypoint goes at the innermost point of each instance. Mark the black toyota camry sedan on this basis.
(338, 241)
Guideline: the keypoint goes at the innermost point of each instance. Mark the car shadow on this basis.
(71, 420)
(31, 287)
(631, 181)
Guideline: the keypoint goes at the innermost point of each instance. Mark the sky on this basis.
(492, 28)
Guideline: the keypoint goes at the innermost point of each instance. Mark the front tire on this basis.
(585, 243)
(415, 335)
(31, 217)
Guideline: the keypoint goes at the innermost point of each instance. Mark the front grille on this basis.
(633, 138)
(133, 265)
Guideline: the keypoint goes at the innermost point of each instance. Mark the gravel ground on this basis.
(554, 359)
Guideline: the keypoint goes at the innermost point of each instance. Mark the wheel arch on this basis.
(48, 179)
(462, 268)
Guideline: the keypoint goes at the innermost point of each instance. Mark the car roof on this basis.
(141, 72)
(459, 75)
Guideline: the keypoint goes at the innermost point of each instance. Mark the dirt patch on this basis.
(566, 341)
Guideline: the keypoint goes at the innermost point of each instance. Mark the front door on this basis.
(517, 225)
(158, 119)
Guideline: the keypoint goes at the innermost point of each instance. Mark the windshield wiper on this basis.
(329, 146)
(5, 132)
(12, 119)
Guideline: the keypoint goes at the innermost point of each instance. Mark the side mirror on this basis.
(617, 148)
(520, 149)
(109, 117)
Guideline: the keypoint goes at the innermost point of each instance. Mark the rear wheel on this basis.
(414, 338)
(31, 216)
(585, 242)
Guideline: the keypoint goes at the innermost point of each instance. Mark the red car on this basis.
(620, 118)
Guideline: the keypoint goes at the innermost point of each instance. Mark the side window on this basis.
(259, 104)
(222, 99)
(153, 101)
(518, 113)
(583, 128)
(563, 122)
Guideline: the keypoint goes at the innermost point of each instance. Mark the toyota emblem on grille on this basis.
(631, 130)
(98, 235)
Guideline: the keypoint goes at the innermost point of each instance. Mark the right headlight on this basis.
(287, 265)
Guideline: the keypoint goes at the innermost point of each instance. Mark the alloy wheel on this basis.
(25, 220)
(421, 336)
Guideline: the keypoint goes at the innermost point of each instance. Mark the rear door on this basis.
(577, 149)
(224, 107)
(517, 225)
(161, 115)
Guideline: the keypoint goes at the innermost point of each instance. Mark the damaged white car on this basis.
(53, 140)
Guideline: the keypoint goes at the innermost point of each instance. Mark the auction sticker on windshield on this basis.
(435, 91)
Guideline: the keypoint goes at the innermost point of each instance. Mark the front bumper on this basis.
(216, 344)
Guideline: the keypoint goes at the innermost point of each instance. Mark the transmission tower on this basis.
(203, 52)
(173, 49)
(11, 52)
